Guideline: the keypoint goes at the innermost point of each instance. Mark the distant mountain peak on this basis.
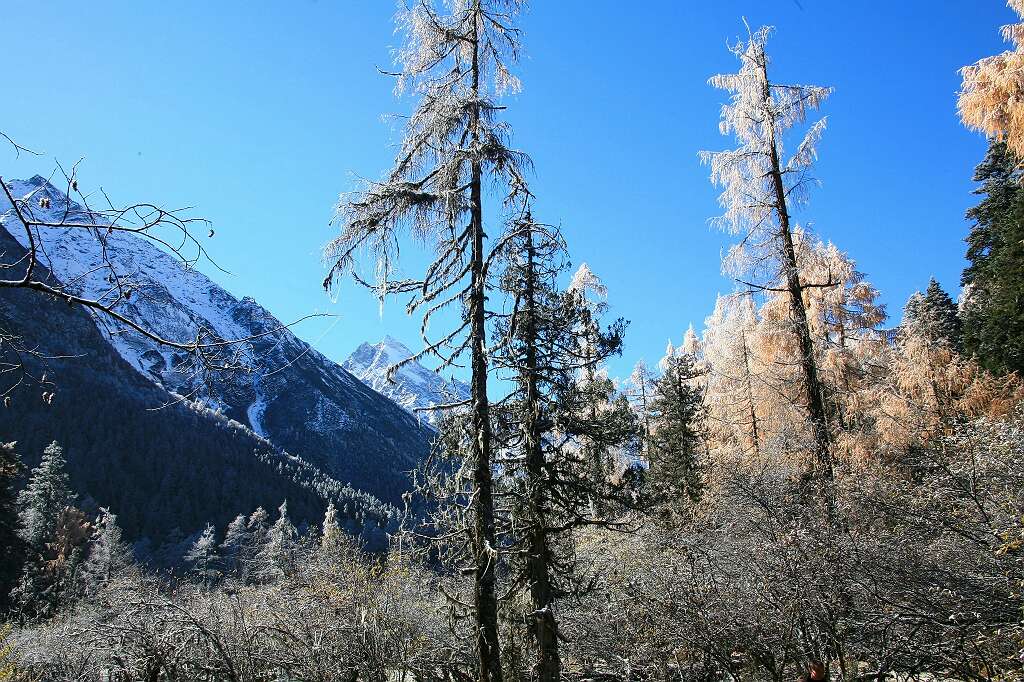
(296, 398)
(413, 386)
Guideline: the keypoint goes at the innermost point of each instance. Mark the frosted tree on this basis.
(735, 388)
(331, 535)
(233, 545)
(760, 190)
(203, 555)
(638, 392)
(276, 557)
(109, 555)
(844, 321)
(250, 544)
(933, 316)
(456, 60)
(47, 494)
(588, 295)
(992, 94)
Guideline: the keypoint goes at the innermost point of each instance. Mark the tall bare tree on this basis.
(456, 61)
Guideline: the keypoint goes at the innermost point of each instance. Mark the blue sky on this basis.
(260, 114)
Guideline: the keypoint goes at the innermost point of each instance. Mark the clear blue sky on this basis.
(260, 113)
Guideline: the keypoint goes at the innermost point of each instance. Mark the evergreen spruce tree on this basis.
(557, 422)
(993, 306)
(203, 556)
(933, 316)
(47, 494)
(42, 507)
(677, 440)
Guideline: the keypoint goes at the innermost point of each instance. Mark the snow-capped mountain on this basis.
(294, 396)
(412, 386)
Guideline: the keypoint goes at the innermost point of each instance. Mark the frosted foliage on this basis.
(735, 390)
(455, 60)
(758, 114)
(584, 281)
(691, 343)
(992, 94)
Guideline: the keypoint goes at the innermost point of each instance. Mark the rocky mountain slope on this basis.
(412, 386)
(294, 397)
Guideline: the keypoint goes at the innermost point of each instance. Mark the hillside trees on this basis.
(14, 546)
(760, 191)
(457, 61)
(993, 318)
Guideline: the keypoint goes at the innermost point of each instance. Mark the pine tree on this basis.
(993, 313)
(678, 441)
(760, 191)
(457, 60)
(203, 556)
(109, 556)
(933, 316)
(47, 494)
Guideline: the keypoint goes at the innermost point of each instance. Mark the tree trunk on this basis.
(545, 627)
(484, 551)
(822, 467)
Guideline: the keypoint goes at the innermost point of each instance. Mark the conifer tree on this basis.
(232, 547)
(678, 440)
(557, 417)
(933, 316)
(760, 192)
(276, 558)
(993, 317)
(456, 59)
(331, 535)
(255, 539)
(203, 556)
(735, 383)
(992, 92)
(47, 494)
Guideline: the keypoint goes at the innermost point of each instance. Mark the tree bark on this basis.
(545, 627)
(484, 551)
(822, 467)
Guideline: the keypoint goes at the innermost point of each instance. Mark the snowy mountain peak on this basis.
(293, 396)
(412, 386)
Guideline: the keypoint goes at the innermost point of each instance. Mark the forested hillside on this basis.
(166, 465)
